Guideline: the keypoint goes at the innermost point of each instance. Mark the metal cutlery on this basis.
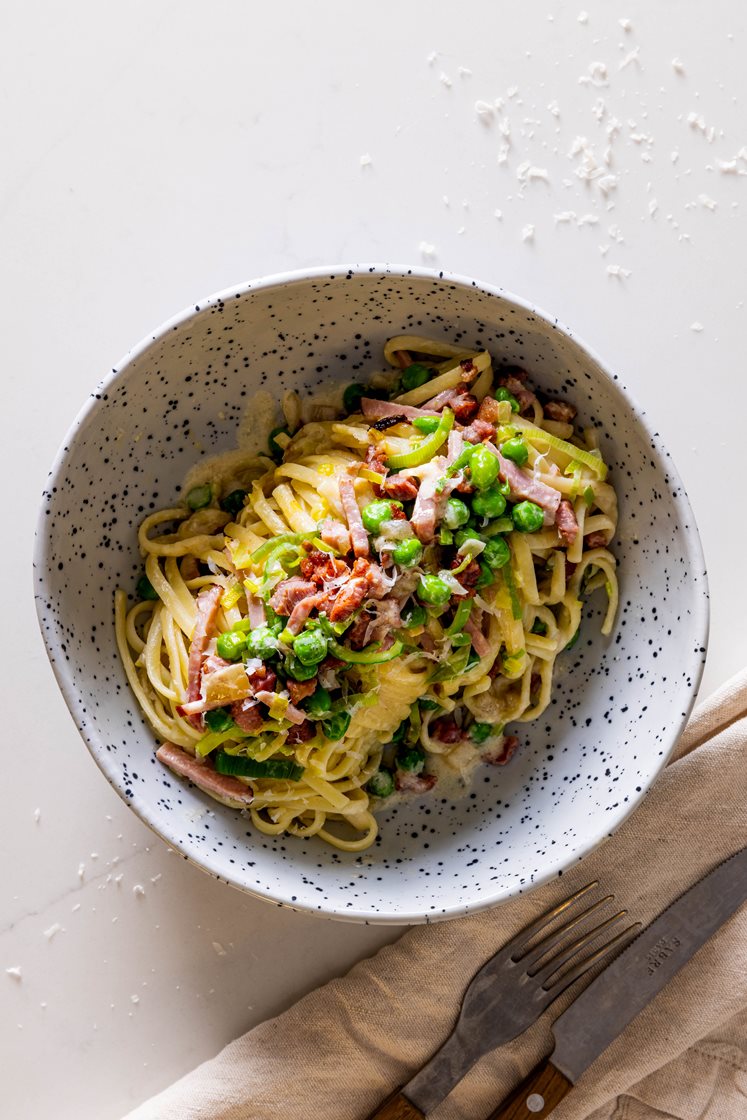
(510, 992)
(609, 1003)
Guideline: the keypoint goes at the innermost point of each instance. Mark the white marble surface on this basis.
(155, 152)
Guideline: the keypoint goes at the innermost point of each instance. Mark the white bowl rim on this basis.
(693, 548)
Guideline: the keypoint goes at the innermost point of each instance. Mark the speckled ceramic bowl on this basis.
(618, 705)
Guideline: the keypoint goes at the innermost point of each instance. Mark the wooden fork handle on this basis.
(537, 1095)
(397, 1107)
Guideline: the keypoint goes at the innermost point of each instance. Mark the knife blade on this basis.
(627, 985)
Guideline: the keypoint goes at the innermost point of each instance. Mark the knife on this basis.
(626, 986)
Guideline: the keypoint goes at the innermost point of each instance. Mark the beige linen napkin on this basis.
(341, 1050)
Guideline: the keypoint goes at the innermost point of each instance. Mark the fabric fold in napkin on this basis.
(342, 1049)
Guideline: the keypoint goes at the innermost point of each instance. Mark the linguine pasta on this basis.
(359, 614)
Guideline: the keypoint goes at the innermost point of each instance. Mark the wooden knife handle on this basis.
(397, 1107)
(537, 1095)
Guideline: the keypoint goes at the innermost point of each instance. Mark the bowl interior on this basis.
(618, 703)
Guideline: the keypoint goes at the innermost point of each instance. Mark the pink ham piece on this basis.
(208, 602)
(256, 611)
(202, 774)
(473, 628)
(290, 592)
(335, 535)
(524, 486)
(381, 410)
(435, 404)
(423, 518)
(358, 534)
(567, 525)
(302, 610)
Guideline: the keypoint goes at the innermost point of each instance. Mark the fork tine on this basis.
(527, 933)
(564, 954)
(584, 965)
(540, 949)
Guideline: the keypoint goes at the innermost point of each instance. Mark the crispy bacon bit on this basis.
(300, 690)
(489, 410)
(367, 581)
(504, 753)
(208, 602)
(567, 525)
(513, 381)
(597, 539)
(469, 577)
(320, 567)
(401, 489)
(446, 730)
(203, 775)
(358, 534)
(389, 422)
(465, 408)
(408, 782)
(479, 430)
(376, 458)
(262, 680)
(512, 371)
(560, 410)
(246, 714)
(469, 370)
(301, 733)
(335, 534)
(398, 514)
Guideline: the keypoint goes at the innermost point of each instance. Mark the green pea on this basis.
(310, 647)
(463, 535)
(432, 589)
(231, 645)
(296, 669)
(335, 727)
(412, 760)
(261, 642)
(381, 784)
(483, 467)
(415, 375)
(219, 720)
(276, 450)
(200, 496)
(496, 553)
(539, 627)
(504, 395)
(479, 732)
(351, 398)
(485, 577)
(144, 589)
(425, 424)
(376, 513)
(408, 553)
(491, 503)
(233, 503)
(516, 450)
(416, 616)
(319, 703)
(527, 517)
(456, 513)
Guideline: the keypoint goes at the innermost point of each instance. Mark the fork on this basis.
(509, 993)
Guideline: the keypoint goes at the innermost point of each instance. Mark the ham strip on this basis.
(302, 610)
(381, 410)
(208, 602)
(435, 404)
(203, 775)
(358, 534)
(524, 486)
(256, 608)
(335, 535)
(473, 628)
(423, 518)
(290, 592)
(565, 519)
